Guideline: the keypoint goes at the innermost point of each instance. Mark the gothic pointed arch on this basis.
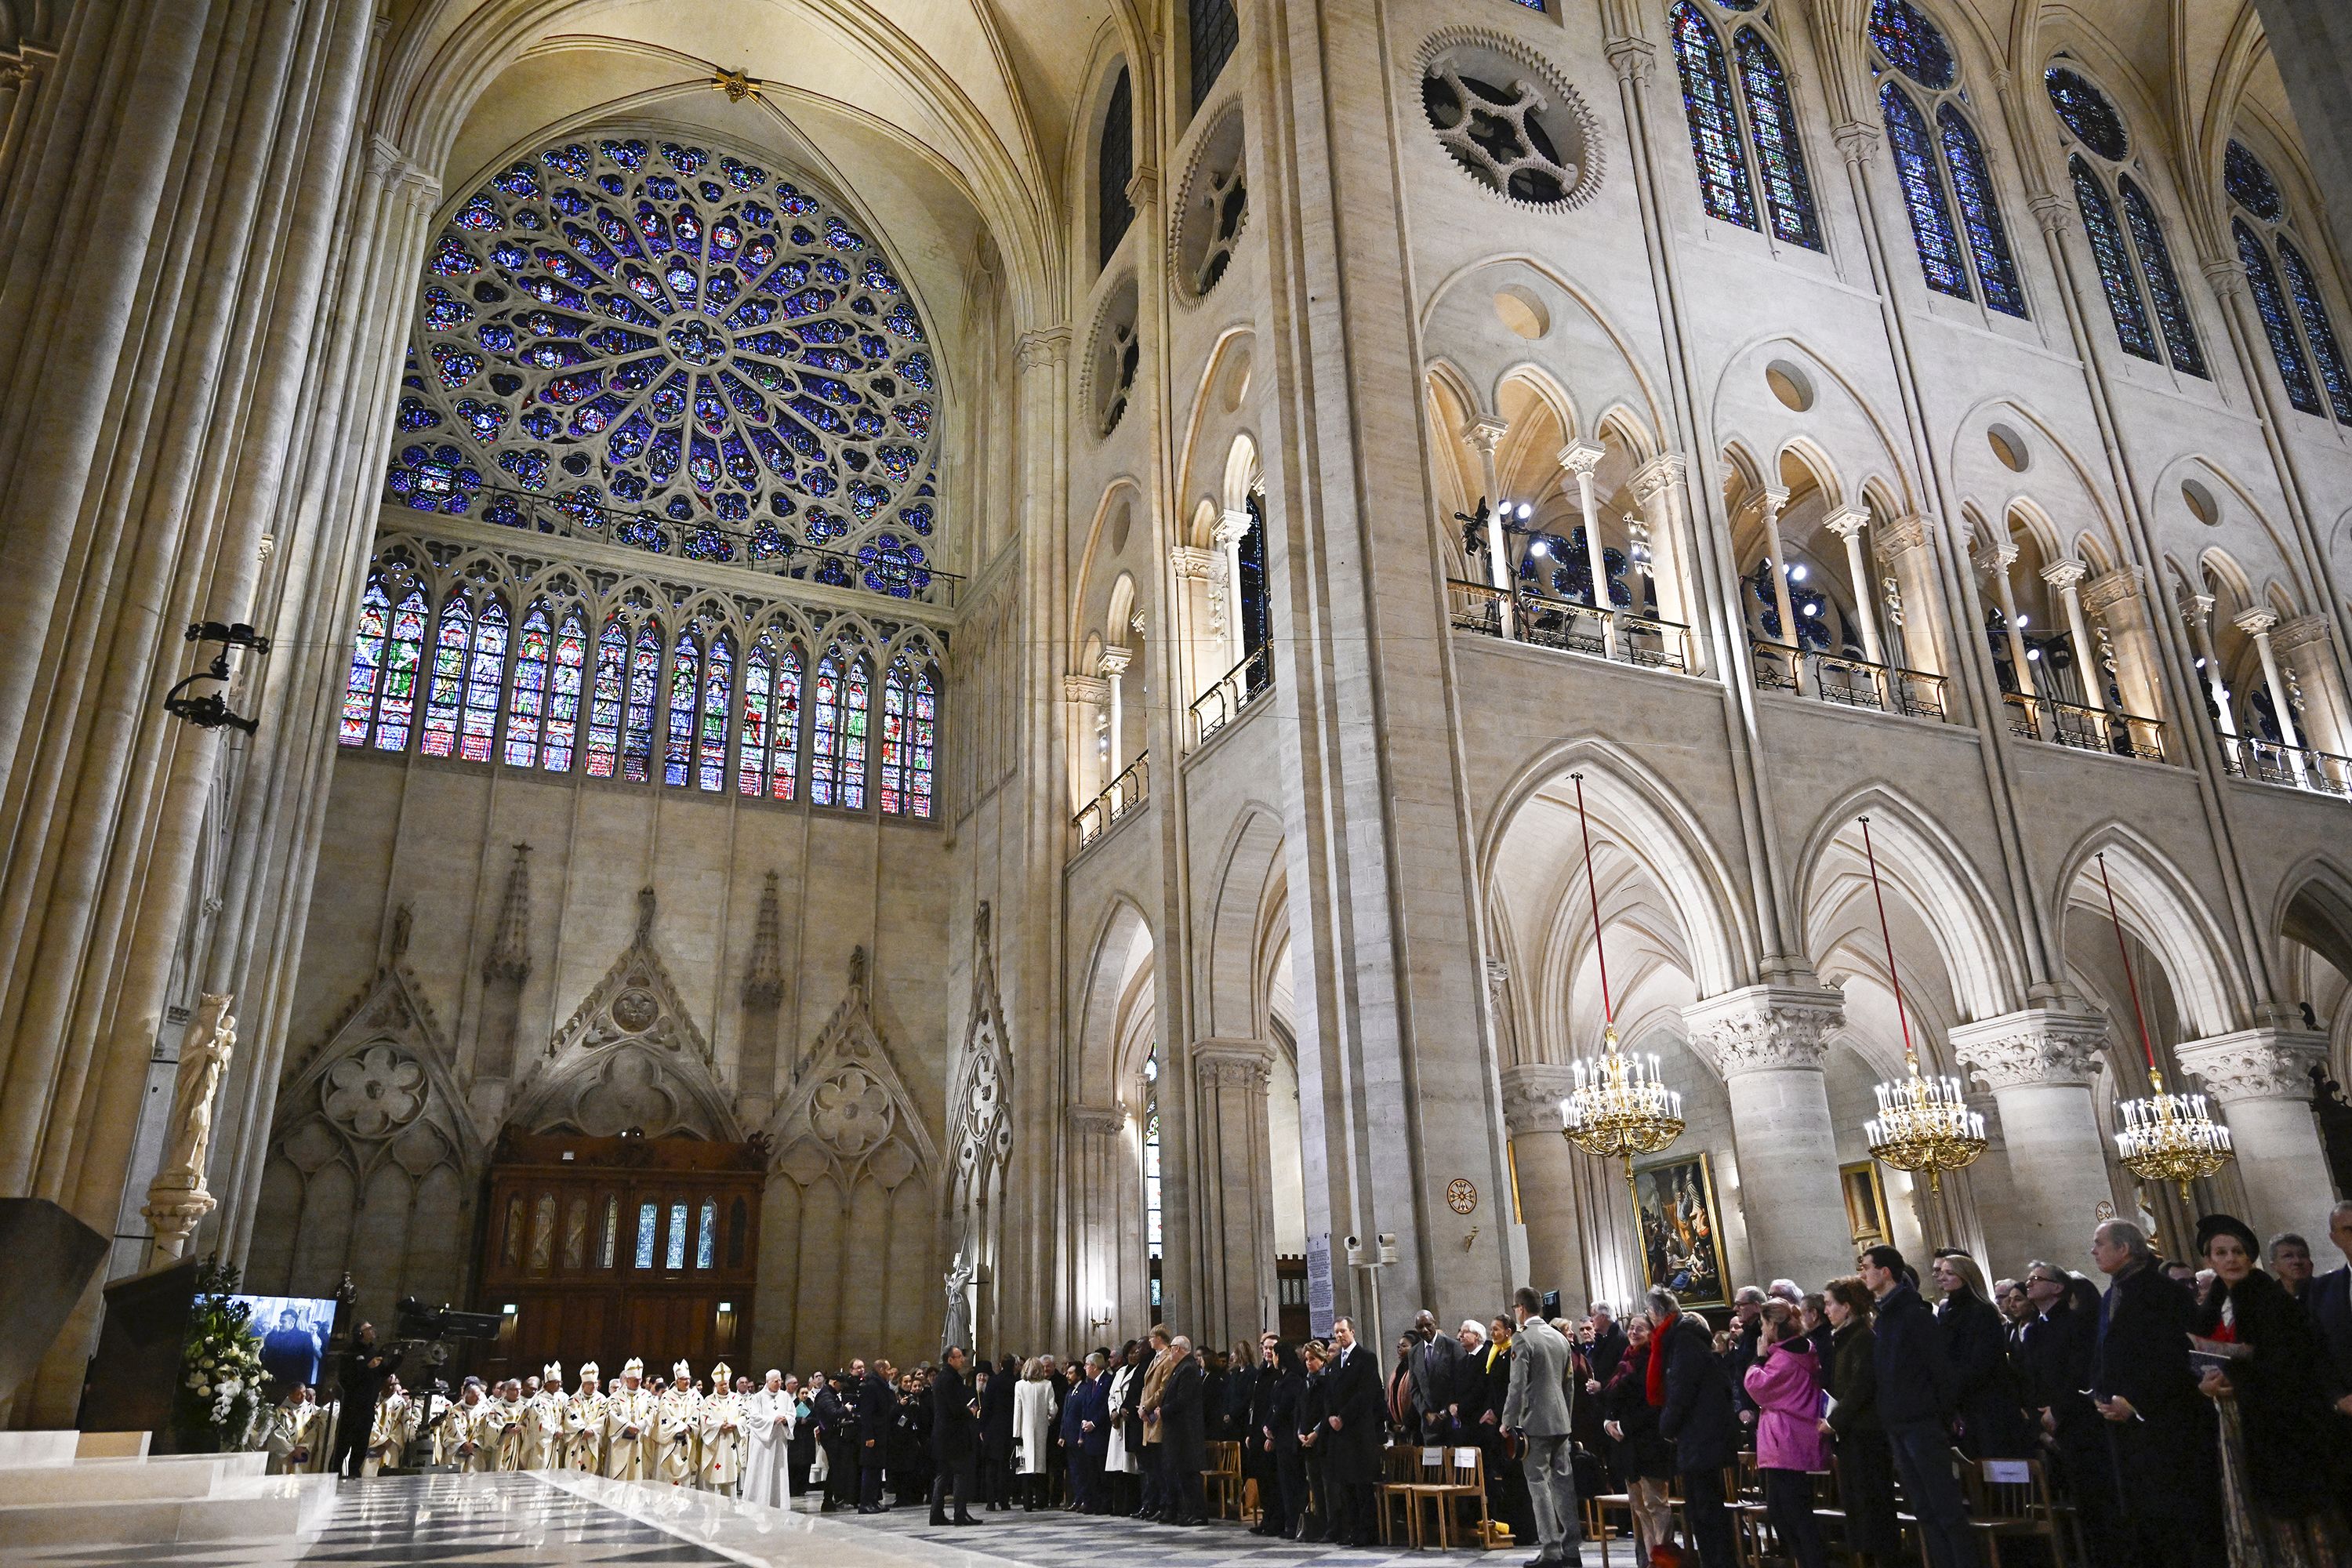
(846, 1112)
(631, 1056)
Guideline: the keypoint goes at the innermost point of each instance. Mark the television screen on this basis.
(294, 1331)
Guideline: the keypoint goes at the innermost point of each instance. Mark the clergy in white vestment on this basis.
(677, 1423)
(457, 1436)
(321, 1442)
(584, 1426)
(770, 1425)
(629, 1453)
(395, 1423)
(1117, 1460)
(541, 1445)
(514, 1416)
(718, 1422)
(292, 1432)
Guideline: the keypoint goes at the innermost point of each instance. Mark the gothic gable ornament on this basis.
(847, 1113)
(630, 1056)
(983, 1135)
(380, 1088)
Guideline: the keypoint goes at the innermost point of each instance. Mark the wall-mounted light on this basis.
(511, 1310)
(211, 712)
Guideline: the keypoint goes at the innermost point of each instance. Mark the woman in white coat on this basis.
(1119, 1461)
(770, 1445)
(1032, 1432)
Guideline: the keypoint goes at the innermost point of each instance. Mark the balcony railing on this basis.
(1121, 796)
(1231, 692)
(2296, 767)
(2082, 727)
(1542, 621)
(1848, 682)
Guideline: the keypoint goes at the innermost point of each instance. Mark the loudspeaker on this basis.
(51, 1255)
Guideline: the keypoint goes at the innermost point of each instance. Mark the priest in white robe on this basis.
(584, 1426)
(629, 1450)
(720, 1420)
(676, 1426)
(768, 1456)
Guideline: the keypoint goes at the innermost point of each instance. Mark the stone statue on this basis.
(177, 1199)
(958, 1329)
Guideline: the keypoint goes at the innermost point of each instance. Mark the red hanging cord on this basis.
(2124, 952)
(1893, 973)
(1608, 1011)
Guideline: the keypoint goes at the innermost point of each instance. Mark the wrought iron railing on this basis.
(902, 569)
(1542, 621)
(1848, 682)
(2296, 767)
(1231, 692)
(1116, 799)
(2082, 728)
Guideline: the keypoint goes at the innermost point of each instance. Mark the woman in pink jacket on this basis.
(1786, 1384)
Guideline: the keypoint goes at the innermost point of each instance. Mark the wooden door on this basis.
(604, 1248)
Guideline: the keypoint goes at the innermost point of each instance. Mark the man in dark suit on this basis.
(363, 1371)
(877, 1416)
(1604, 1344)
(2059, 1342)
(1697, 1416)
(1917, 1394)
(955, 1440)
(2330, 1300)
(1353, 1466)
(1184, 1436)
(1091, 1399)
(2161, 1429)
(1434, 1357)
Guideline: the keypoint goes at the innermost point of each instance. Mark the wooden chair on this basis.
(1222, 1481)
(1461, 1477)
(1400, 1474)
(2008, 1499)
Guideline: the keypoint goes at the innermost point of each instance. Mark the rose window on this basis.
(676, 350)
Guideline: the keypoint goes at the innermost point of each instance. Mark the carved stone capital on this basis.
(1661, 476)
(1632, 59)
(176, 1214)
(1115, 660)
(1905, 533)
(1143, 186)
(2302, 632)
(2225, 274)
(2055, 214)
(2254, 1063)
(1097, 1121)
(1245, 1065)
(1498, 975)
(2065, 574)
(1486, 433)
(1847, 520)
(1192, 563)
(1531, 1095)
(1580, 457)
(1856, 139)
(1232, 527)
(1766, 1029)
(2255, 622)
(1996, 558)
(2109, 589)
(1769, 501)
(1045, 346)
(1086, 689)
(2036, 1047)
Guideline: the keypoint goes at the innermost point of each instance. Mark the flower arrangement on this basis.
(219, 1408)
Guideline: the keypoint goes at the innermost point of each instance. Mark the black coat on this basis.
(2059, 1346)
(2294, 1440)
(1866, 1464)
(1606, 1354)
(1183, 1424)
(1642, 1449)
(996, 1415)
(1976, 1345)
(1698, 1416)
(2329, 1302)
(955, 1430)
(361, 1376)
(1241, 1400)
(1851, 1378)
(1314, 1405)
(1479, 1388)
(1284, 1396)
(1915, 1373)
(1356, 1399)
(2165, 1461)
(877, 1414)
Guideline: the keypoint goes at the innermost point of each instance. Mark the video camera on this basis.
(426, 1330)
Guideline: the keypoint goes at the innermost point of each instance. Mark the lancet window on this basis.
(2285, 289)
(1743, 120)
(2135, 272)
(910, 737)
(1113, 167)
(1939, 161)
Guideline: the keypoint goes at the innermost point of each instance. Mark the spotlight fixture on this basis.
(211, 711)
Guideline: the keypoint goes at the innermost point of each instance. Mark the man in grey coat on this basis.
(1537, 1409)
(1436, 1363)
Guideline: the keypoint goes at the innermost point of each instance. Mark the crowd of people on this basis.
(2186, 1414)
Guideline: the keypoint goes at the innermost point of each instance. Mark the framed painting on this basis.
(1682, 1230)
(1866, 1205)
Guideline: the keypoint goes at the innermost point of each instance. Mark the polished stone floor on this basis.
(533, 1519)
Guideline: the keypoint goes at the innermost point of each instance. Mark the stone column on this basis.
(1483, 435)
(1233, 527)
(1657, 486)
(1202, 613)
(1105, 1281)
(1995, 561)
(2305, 643)
(1086, 697)
(1544, 1164)
(1115, 660)
(1908, 546)
(2116, 599)
(1773, 498)
(2257, 624)
(1768, 1043)
(2066, 576)
(1580, 457)
(1236, 1192)
(2196, 609)
(2260, 1082)
(1847, 523)
(2039, 1064)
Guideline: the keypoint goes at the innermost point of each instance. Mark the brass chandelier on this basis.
(2165, 1137)
(1923, 1123)
(1621, 1105)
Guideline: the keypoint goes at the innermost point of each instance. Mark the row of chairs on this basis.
(1427, 1496)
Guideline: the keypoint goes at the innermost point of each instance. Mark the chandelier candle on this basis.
(1923, 1123)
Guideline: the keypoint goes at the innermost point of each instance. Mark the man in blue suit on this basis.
(2330, 1300)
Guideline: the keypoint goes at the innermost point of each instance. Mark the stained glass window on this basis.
(486, 669)
(672, 347)
(2085, 111)
(1780, 152)
(604, 701)
(1113, 167)
(717, 688)
(2302, 285)
(1717, 144)
(609, 1232)
(1924, 196)
(706, 1234)
(2278, 322)
(445, 692)
(2163, 286)
(648, 1224)
(564, 700)
(1912, 44)
(638, 719)
(685, 684)
(527, 706)
(2249, 184)
(2108, 250)
(367, 663)
(675, 1256)
(1987, 236)
(908, 738)
(854, 712)
(1215, 30)
(770, 749)
(825, 730)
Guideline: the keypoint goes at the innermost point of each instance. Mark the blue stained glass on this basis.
(2163, 286)
(676, 1258)
(1912, 44)
(2249, 184)
(706, 1233)
(1981, 212)
(2278, 323)
(2085, 111)
(648, 1221)
(1780, 153)
(2304, 285)
(1716, 142)
(2108, 250)
(1924, 196)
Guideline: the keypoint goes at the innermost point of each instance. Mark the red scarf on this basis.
(1655, 1382)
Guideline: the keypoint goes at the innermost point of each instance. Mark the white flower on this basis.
(205, 1389)
(195, 1380)
(231, 1385)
